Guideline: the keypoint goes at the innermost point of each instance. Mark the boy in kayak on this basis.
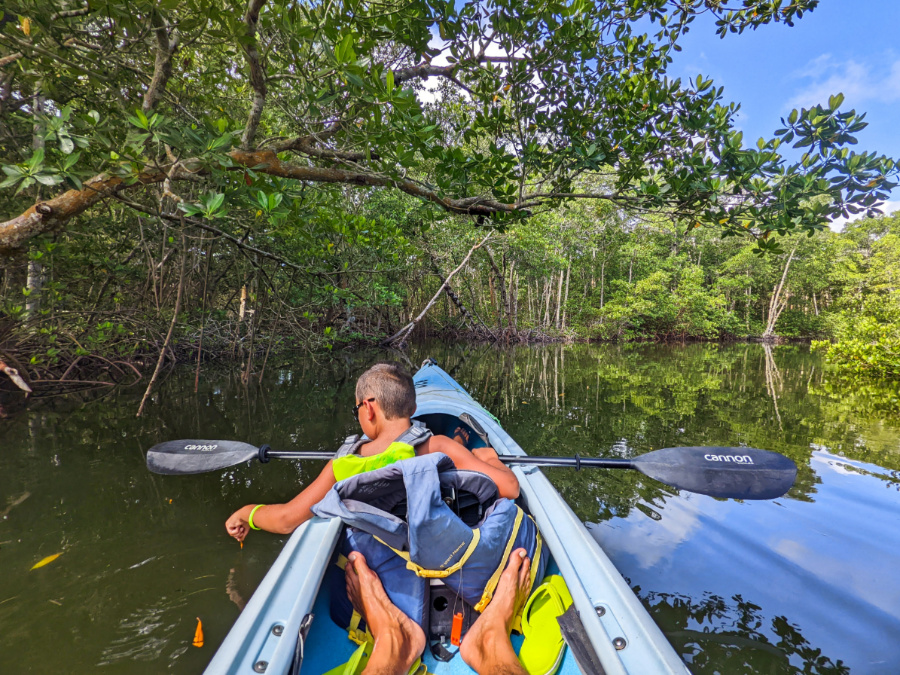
(399, 640)
(385, 402)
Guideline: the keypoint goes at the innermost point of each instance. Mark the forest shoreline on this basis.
(72, 372)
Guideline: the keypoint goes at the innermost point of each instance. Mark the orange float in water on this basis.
(198, 634)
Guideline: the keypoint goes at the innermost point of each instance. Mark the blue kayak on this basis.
(285, 628)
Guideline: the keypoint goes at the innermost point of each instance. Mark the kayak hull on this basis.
(622, 634)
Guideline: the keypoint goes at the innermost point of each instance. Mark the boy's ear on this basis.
(371, 410)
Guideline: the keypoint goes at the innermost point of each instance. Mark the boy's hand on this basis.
(237, 525)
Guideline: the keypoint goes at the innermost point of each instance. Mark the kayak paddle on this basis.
(734, 473)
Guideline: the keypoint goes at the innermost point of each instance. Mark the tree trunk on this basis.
(778, 301)
(515, 316)
(35, 280)
(548, 291)
(501, 283)
(602, 281)
(243, 309)
(559, 300)
(566, 297)
(510, 297)
(35, 287)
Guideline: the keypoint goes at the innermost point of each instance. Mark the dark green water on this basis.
(805, 584)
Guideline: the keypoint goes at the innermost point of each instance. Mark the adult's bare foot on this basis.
(486, 647)
(399, 640)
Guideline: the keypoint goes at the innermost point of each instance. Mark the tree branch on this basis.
(407, 329)
(45, 216)
(69, 13)
(257, 76)
(304, 145)
(6, 60)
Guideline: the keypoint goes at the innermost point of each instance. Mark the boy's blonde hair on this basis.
(391, 386)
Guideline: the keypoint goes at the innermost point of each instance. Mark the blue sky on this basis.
(846, 46)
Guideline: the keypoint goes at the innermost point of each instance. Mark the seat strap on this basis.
(438, 574)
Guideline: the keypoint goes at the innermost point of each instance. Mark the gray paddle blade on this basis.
(196, 456)
(738, 473)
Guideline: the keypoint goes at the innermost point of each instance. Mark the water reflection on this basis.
(739, 587)
(813, 578)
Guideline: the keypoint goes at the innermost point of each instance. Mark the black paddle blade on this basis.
(736, 473)
(194, 456)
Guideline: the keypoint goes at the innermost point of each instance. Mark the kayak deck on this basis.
(621, 633)
(328, 645)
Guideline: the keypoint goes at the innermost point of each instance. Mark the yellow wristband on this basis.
(250, 519)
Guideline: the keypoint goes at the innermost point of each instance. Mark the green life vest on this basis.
(351, 465)
(347, 463)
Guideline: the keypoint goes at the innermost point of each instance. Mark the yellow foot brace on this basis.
(360, 659)
(543, 649)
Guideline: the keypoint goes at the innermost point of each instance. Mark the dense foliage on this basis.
(301, 172)
(865, 324)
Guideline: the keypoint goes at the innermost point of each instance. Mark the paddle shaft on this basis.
(737, 473)
(577, 461)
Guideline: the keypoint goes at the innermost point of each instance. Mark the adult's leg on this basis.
(399, 640)
(486, 647)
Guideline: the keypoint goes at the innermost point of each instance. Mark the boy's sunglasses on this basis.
(359, 405)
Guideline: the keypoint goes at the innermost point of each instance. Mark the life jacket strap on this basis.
(349, 446)
(438, 574)
(491, 585)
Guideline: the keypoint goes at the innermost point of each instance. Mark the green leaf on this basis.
(48, 179)
(36, 159)
(71, 160)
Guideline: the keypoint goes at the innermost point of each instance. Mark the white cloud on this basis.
(650, 541)
(859, 82)
(888, 207)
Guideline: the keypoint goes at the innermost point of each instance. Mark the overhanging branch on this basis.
(45, 216)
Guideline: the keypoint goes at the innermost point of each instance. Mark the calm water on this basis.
(805, 584)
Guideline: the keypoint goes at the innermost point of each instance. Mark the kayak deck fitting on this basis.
(292, 601)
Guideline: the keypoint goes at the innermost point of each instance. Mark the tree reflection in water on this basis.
(715, 635)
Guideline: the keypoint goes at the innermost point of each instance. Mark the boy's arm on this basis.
(483, 460)
(282, 518)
